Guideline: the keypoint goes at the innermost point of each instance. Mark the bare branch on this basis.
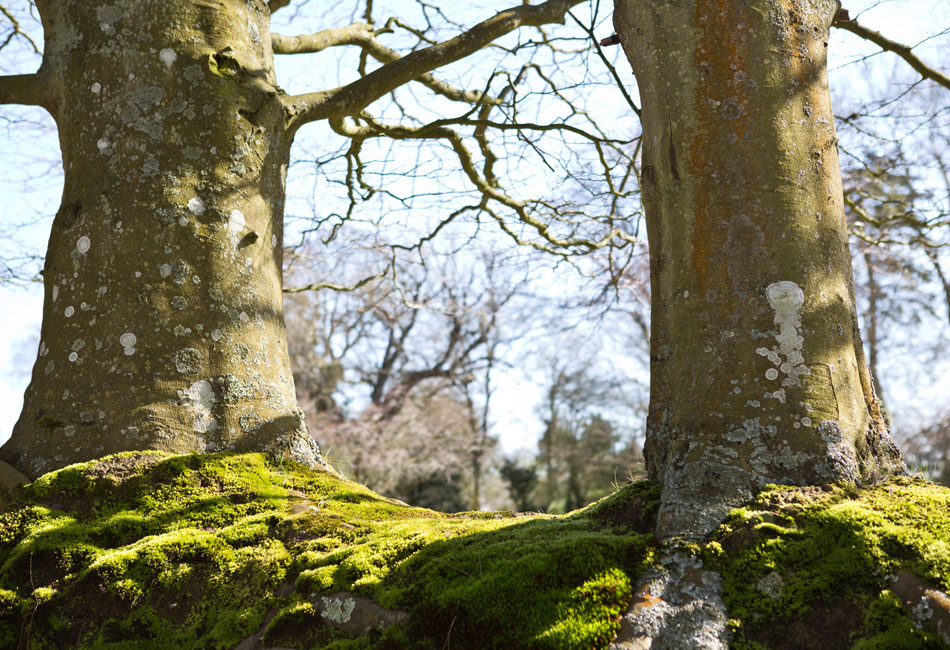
(310, 43)
(354, 97)
(551, 243)
(903, 51)
(339, 287)
(26, 89)
(16, 31)
(363, 35)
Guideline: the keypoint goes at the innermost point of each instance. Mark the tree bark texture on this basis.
(162, 322)
(757, 370)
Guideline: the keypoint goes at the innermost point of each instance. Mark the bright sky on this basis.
(31, 191)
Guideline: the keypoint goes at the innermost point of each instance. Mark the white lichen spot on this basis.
(236, 221)
(199, 398)
(244, 317)
(127, 341)
(73, 356)
(182, 220)
(168, 57)
(96, 88)
(273, 241)
(771, 374)
(82, 245)
(337, 610)
(786, 299)
(196, 205)
(216, 335)
(806, 421)
(69, 311)
(55, 292)
(771, 585)
(762, 352)
(103, 145)
(165, 270)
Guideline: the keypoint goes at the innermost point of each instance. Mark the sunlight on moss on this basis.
(199, 551)
(820, 562)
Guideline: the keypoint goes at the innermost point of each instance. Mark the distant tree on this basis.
(581, 454)
(521, 482)
(928, 449)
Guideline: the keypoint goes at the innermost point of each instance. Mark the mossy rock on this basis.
(146, 550)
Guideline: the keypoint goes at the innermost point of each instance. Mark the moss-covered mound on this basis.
(146, 550)
(838, 568)
(151, 551)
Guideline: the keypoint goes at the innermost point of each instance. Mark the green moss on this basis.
(800, 559)
(199, 551)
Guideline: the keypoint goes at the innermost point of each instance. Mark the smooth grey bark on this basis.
(757, 370)
(162, 320)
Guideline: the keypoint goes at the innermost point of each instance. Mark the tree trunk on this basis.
(871, 320)
(757, 371)
(162, 321)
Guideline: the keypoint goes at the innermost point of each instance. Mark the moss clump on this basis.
(814, 567)
(204, 551)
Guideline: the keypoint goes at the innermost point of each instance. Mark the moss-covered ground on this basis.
(146, 550)
(815, 567)
(150, 551)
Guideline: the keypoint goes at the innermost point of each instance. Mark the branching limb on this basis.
(16, 31)
(353, 34)
(339, 287)
(354, 97)
(903, 51)
(364, 36)
(550, 242)
(26, 89)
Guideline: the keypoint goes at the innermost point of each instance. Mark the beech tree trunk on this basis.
(757, 370)
(162, 322)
